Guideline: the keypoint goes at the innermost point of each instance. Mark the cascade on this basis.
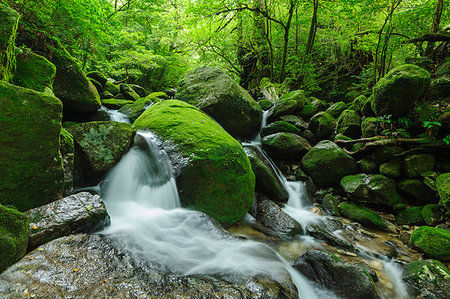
(115, 115)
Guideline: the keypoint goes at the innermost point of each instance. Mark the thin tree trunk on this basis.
(435, 28)
(287, 27)
(312, 29)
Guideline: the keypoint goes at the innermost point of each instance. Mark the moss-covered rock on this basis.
(322, 125)
(97, 85)
(218, 179)
(371, 189)
(443, 188)
(336, 109)
(410, 216)
(66, 147)
(366, 217)
(30, 161)
(111, 88)
(418, 190)
(34, 72)
(139, 90)
(366, 109)
(296, 121)
(285, 146)
(319, 104)
(327, 164)
(349, 124)
(8, 27)
(265, 104)
(287, 104)
(115, 103)
(433, 241)
(128, 92)
(392, 168)
(440, 88)
(428, 276)
(331, 205)
(133, 111)
(307, 111)
(367, 165)
(416, 164)
(278, 127)
(99, 77)
(386, 153)
(99, 146)
(13, 236)
(432, 214)
(217, 94)
(370, 127)
(396, 93)
(358, 103)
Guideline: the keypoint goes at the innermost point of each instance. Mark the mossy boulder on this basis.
(139, 90)
(265, 104)
(319, 104)
(331, 205)
(8, 27)
(14, 233)
(433, 214)
(370, 127)
(433, 241)
(285, 146)
(366, 217)
(99, 146)
(217, 179)
(34, 72)
(327, 164)
(128, 92)
(416, 164)
(30, 162)
(367, 165)
(392, 168)
(349, 124)
(99, 77)
(296, 121)
(218, 95)
(398, 91)
(336, 109)
(373, 189)
(322, 125)
(287, 104)
(410, 216)
(115, 103)
(440, 88)
(111, 88)
(307, 111)
(96, 84)
(443, 188)
(418, 190)
(133, 111)
(428, 276)
(358, 103)
(278, 127)
(366, 109)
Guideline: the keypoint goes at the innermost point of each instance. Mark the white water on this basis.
(146, 219)
(115, 115)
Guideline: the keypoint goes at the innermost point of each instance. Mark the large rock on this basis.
(267, 181)
(217, 94)
(217, 178)
(287, 104)
(278, 127)
(13, 236)
(410, 216)
(416, 164)
(368, 188)
(349, 124)
(133, 111)
(443, 187)
(30, 162)
(78, 213)
(327, 164)
(128, 92)
(322, 125)
(336, 109)
(99, 145)
(9, 19)
(93, 266)
(362, 215)
(398, 91)
(285, 146)
(418, 190)
(346, 280)
(434, 242)
(34, 72)
(428, 276)
(440, 88)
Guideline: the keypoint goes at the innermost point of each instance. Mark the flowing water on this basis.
(115, 115)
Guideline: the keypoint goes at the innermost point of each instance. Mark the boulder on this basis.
(336, 109)
(267, 181)
(287, 104)
(331, 205)
(322, 125)
(440, 88)
(115, 103)
(410, 216)
(366, 109)
(8, 27)
(432, 214)
(418, 190)
(416, 164)
(345, 279)
(66, 147)
(279, 126)
(30, 162)
(99, 146)
(77, 213)
(427, 276)
(139, 90)
(392, 168)
(133, 111)
(285, 146)
(433, 241)
(373, 189)
(217, 177)
(349, 124)
(398, 91)
(265, 104)
(319, 104)
(366, 217)
(218, 95)
(358, 103)
(297, 121)
(97, 85)
(99, 77)
(13, 236)
(34, 72)
(327, 164)
(367, 165)
(370, 127)
(443, 188)
(307, 111)
(128, 92)
(111, 88)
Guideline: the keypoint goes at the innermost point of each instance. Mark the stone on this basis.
(386, 153)
(30, 162)
(440, 88)
(285, 146)
(365, 216)
(366, 109)
(433, 241)
(322, 125)
(307, 111)
(219, 96)
(115, 103)
(416, 164)
(443, 188)
(287, 104)
(278, 127)
(370, 127)
(13, 236)
(331, 205)
(139, 90)
(319, 104)
(358, 103)
(97, 85)
(128, 92)
(410, 216)
(367, 165)
(336, 109)
(297, 121)
(345, 279)
(392, 168)
(399, 90)
(418, 190)
(66, 147)
(433, 214)
(99, 146)
(265, 104)
(99, 77)
(217, 177)
(349, 124)
(111, 88)
(327, 164)
(77, 213)
(133, 111)
(8, 27)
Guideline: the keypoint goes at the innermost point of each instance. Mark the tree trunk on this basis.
(312, 29)
(287, 27)
(435, 27)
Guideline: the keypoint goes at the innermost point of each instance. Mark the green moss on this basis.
(432, 214)
(134, 110)
(392, 168)
(265, 104)
(336, 109)
(370, 127)
(349, 124)
(443, 187)
(30, 163)
(115, 103)
(322, 125)
(362, 215)
(410, 216)
(418, 190)
(415, 165)
(279, 126)
(111, 88)
(8, 27)
(13, 236)
(99, 77)
(434, 242)
(308, 111)
(430, 275)
(283, 146)
(331, 205)
(218, 179)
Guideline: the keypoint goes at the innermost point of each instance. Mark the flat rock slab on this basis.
(82, 212)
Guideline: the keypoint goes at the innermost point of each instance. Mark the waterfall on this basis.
(115, 115)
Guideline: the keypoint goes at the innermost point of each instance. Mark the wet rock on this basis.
(307, 111)
(265, 104)
(78, 213)
(128, 92)
(285, 146)
(346, 280)
(336, 109)
(428, 277)
(93, 266)
(410, 216)
(278, 222)
(434, 242)
(322, 125)
(392, 168)
(111, 88)
(287, 104)
(415, 165)
(432, 214)
(418, 190)
(133, 111)
(366, 217)
(331, 205)
(115, 103)
(296, 121)
(279, 126)
(349, 124)
(267, 181)
(321, 232)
